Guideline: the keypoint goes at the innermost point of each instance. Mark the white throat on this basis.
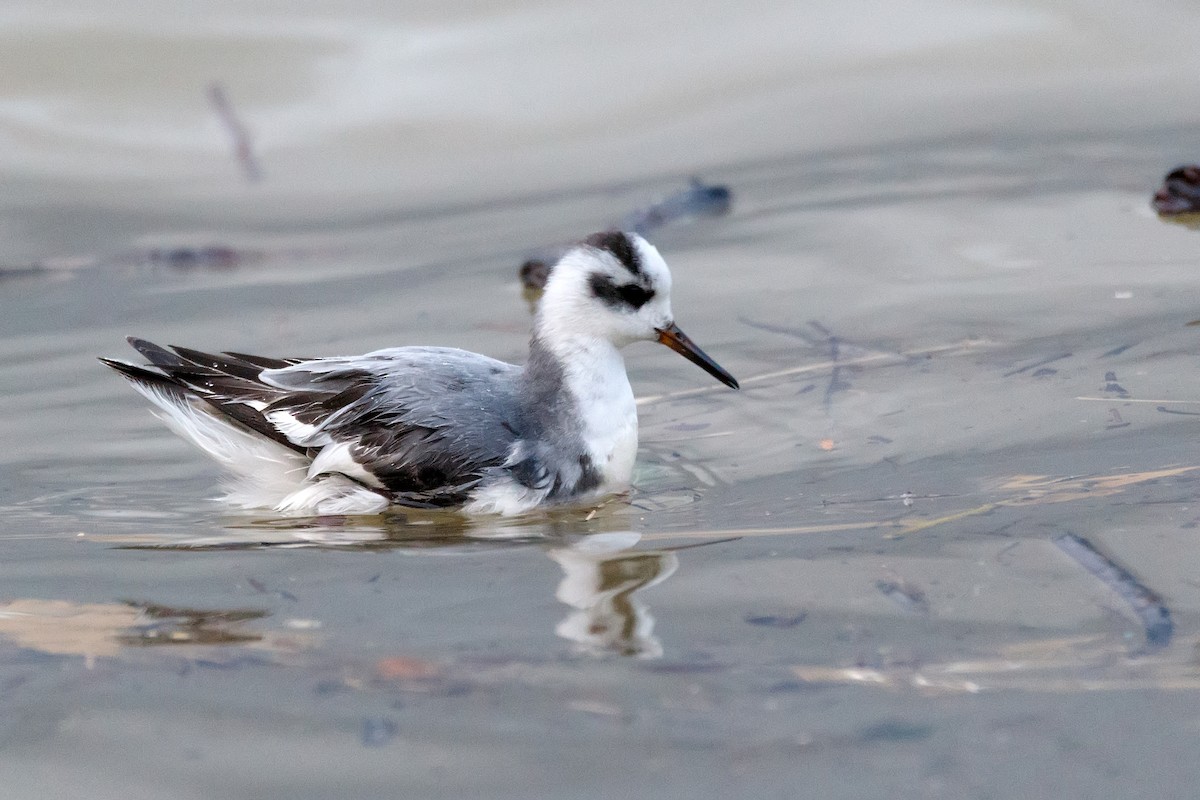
(594, 374)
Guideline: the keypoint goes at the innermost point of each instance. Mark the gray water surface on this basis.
(960, 336)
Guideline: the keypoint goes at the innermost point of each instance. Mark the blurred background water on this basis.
(961, 332)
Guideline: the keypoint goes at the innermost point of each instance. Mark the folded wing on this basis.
(420, 426)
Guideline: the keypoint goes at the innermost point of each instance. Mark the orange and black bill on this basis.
(678, 341)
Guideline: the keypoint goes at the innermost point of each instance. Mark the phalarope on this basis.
(436, 427)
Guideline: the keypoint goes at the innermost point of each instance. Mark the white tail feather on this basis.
(261, 471)
(332, 494)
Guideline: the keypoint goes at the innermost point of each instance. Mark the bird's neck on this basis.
(580, 383)
(588, 368)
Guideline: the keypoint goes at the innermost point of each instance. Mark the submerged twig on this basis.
(1111, 385)
(1036, 364)
(1134, 400)
(1165, 410)
(925, 352)
(242, 145)
(907, 596)
(697, 200)
(836, 384)
(1116, 351)
(679, 547)
(1146, 604)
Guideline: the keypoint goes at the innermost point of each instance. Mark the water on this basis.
(960, 333)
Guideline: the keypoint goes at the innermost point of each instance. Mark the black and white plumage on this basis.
(436, 427)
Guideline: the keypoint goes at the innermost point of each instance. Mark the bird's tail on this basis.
(259, 472)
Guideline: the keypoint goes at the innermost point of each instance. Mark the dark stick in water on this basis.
(698, 200)
(1042, 363)
(1147, 605)
(1165, 410)
(242, 146)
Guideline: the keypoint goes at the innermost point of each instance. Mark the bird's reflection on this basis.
(602, 577)
(411, 529)
(602, 574)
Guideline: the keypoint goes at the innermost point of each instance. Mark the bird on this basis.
(436, 427)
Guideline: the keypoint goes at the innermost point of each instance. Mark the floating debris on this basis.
(777, 620)
(696, 201)
(1146, 604)
(1111, 385)
(138, 630)
(182, 258)
(22, 271)
(48, 266)
(261, 588)
(596, 708)
(897, 730)
(166, 625)
(243, 147)
(1074, 664)
(1165, 410)
(818, 336)
(378, 731)
(534, 273)
(907, 596)
(1036, 364)
(406, 668)
(205, 257)
(1180, 192)
(1115, 420)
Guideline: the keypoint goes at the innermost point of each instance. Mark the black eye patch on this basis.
(631, 294)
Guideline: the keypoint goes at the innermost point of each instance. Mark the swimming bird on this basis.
(436, 427)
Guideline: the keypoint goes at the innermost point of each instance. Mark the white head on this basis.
(615, 286)
(612, 286)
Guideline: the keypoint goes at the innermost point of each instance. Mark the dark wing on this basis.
(424, 423)
(427, 423)
(227, 382)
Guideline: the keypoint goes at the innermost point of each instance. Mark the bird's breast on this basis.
(611, 440)
(605, 414)
(620, 457)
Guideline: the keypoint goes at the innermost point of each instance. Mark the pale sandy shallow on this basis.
(961, 334)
